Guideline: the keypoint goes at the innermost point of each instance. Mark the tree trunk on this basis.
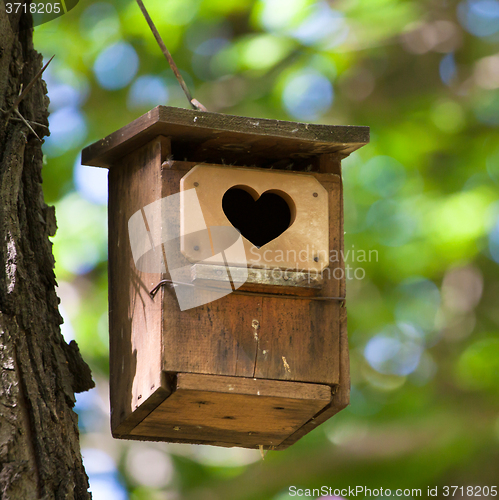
(39, 373)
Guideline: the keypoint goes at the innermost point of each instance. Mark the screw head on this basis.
(196, 184)
(316, 259)
(315, 195)
(196, 248)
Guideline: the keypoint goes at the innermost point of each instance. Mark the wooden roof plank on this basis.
(207, 132)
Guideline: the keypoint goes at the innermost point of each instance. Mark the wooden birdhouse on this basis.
(226, 281)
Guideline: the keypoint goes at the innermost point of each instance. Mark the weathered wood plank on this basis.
(243, 412)
(134, 318)
(124, 429)
(333, 279)
(253, 387)
(300, 341)
(204, 274)
(341, 393)
(330, 168)
(216, 338)
(206, 136)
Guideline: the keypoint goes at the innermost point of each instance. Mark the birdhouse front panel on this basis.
(226, 284)
(271, 209)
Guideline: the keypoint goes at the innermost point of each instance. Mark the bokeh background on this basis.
(423, 322)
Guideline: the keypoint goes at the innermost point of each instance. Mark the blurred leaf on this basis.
(478, 366)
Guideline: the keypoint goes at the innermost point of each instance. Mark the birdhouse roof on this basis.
(207, 136)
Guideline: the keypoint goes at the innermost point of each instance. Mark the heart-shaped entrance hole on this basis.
(259, 219)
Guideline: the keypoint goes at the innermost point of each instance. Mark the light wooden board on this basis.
(306, 237)
(205, 274)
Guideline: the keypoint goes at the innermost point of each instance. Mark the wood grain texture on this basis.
(210, 137)
(333, 279)
(206, 274)
(248, 338)
(134, 318)
(253, 387)
(124, 429)
(295, 248)
(300, 341)
(341, 394)
(330, 168)
(294, 340)
(239, 411)
(216, 338)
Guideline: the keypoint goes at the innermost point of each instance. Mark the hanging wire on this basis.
(193, 102)
(172, 284)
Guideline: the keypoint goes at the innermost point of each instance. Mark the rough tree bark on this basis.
(39, 373)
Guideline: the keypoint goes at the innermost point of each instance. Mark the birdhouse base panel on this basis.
(231, 411)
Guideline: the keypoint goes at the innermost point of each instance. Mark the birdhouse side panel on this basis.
(134, 318)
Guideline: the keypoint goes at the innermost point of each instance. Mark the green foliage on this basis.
(423, 196)
(477, 367)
